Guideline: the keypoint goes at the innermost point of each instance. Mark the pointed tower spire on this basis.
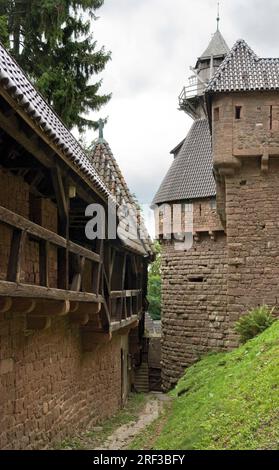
(218, 15)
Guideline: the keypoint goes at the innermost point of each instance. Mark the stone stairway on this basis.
(142, 378)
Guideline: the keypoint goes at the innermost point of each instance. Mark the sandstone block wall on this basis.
(194, 297)
(50, 388)
(253, 238)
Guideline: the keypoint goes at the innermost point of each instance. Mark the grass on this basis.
(227, 401)
(93, 438)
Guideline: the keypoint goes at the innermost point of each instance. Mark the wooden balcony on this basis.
(98, 307)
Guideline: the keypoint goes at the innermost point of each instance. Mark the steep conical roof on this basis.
(191, 173)
(217, 47)
(109, 171)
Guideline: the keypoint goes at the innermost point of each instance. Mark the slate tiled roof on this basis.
(18, 86)
(190, 175)
(242, 70)
(109, 171)
(217, 47)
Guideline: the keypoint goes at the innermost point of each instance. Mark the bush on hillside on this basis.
(254, 322)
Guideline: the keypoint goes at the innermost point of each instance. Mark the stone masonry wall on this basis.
(194, 296)
(50, 388)
(253, 238)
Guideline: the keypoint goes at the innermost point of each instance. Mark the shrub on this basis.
(254, 322)
(154, 296)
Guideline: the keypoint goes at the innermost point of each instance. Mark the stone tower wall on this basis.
(194, 295)
(246, 162)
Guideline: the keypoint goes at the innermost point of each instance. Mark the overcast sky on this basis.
(153, 44)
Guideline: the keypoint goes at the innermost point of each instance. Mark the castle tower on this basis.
(194, 260)
(243, 108)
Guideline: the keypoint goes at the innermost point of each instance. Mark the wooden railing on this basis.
(115, 306)
(125, 304)
(22, 228)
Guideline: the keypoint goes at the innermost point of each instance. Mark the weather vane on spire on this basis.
(218, 15)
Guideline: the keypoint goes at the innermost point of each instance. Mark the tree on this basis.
(51, 40)
(154, 284)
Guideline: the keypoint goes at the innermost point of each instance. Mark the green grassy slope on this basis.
(228, 401)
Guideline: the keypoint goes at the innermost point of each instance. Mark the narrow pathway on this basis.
(123, 436)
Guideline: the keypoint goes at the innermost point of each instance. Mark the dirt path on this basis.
(123, 436)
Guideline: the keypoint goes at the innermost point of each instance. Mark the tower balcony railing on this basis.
(190, 91)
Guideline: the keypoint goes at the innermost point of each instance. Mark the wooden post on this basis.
(16, 255)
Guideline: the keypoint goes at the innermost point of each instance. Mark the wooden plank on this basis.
(11, 289)
(125, 293)
(16, 254)
(17, 221)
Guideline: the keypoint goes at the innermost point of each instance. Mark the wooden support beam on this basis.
(12, 289)
(77, 278)
(97, 269)
(16, 255)
(56, 308)
(11, 126)
(5, 304)
(62, 200)
(37, 323)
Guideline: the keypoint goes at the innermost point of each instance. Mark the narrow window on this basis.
(216, 114)
(200, 210)
(238, 110)
(270, 117)
(196, 279)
